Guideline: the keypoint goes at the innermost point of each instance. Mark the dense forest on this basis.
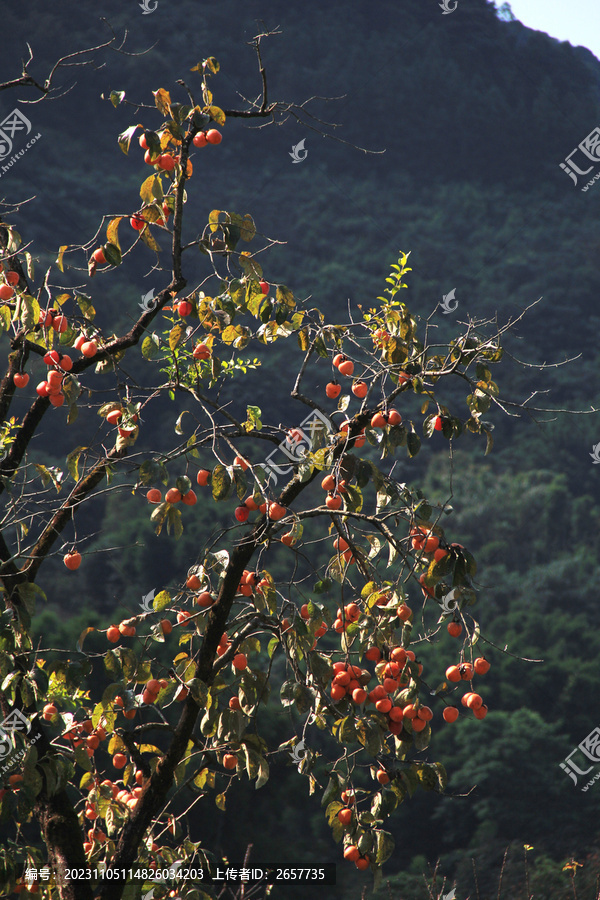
(447, 138)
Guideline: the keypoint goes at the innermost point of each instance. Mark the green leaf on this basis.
(321, 348)
(421, 739)
(174, 522)
(151, 346)
(151, 471)
(71, 388)
(253, 418)
(254, 297)
(369, 735)
(158, 516)
(28, 591)
(117, 97)
(247, 228)
(82, 759)
(410, 779)
(73, 462)
(438, 568)
(321, 668)
(336, 569)
(354, 498)
(112, 254)
(413, 443)
(285, 296)
(441, 775)
(220, 483)
(323, 586)
(183, 484)
(30, 312)
(250, 266)
(85, 305)
(152, 189)
(347, 730)
(384, 847)
(471, 565)
(220, 801)
(112, 664)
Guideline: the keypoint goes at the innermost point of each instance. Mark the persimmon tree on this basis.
(375, 569)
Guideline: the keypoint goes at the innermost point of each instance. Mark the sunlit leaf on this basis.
(151, 346)
(220, 483)
(83, 636)
(126, 136)
(117, 97)
(73, 462)
(151, 189)
(216, 114)
(112, 231)
(162, 99)
(148, 239)
(176, 335)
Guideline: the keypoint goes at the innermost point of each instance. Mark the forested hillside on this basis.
(449, 131)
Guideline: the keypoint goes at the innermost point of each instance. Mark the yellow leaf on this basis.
(112, 231)
(150, 748)
(59, 258)
(175, 336)
(162, 99)
(216, 114)
(148, 239)
(151, 189)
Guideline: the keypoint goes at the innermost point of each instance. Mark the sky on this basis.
(576, 21)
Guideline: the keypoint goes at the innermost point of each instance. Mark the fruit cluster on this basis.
(172, 496)
(464, 672)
